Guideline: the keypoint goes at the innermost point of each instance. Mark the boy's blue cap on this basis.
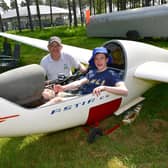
(99, 50)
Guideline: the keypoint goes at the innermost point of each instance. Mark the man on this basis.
(58, 62)
(100, 78)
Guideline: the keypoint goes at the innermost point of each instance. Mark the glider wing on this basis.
(153, 70)
(83, 55)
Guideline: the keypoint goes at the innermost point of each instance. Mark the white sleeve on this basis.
(73, 62)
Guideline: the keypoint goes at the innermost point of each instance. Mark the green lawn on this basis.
(143, 144)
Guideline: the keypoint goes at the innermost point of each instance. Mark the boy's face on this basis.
(100, 61)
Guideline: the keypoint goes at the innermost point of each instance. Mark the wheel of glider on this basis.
(133, 35)
(93, 134)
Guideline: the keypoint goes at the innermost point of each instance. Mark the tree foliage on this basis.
(4, 5)
(73, 6)
(12, 4)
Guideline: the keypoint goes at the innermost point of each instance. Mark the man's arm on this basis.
(82, 68)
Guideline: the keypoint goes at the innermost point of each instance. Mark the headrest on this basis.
(22, 85)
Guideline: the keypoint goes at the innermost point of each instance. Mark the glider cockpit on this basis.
(118, 59)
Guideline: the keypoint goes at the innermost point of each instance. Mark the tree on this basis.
(81, 12)
(31, 2)
(123, 5)
(59, 3)
(70, 14)
(29, 15)
(90, 6)
(13, 4)
(3, 5)
(1, 23)
(74, 13)
(51, 15)
(110, 5)
(23, 3)
(100, 6)
(38, 13)
(18, 15)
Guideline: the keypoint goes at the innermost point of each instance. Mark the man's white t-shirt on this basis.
(62, 66)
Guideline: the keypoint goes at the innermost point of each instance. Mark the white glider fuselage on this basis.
(148, 21)
(141, 70)
(137, 54)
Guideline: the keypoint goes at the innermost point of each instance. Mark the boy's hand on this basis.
(58, 88)
(98, 90)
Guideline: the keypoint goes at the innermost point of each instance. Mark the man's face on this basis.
(100, 61)
(55, 50)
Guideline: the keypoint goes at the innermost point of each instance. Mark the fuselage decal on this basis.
(100, 112)
(2, 119)
(79, 104)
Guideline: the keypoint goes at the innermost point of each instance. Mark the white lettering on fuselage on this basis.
(78, 104)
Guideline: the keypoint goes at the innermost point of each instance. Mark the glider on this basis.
(140, 65)
(131, 23)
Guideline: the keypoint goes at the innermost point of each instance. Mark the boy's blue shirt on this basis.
(107, 77)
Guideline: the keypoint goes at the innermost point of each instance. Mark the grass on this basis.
(143, 144)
